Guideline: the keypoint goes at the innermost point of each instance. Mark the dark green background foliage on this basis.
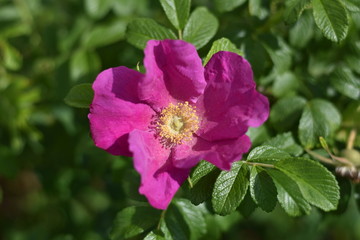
(55, 184)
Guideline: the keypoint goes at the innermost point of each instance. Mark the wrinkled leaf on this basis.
(319, 119)
(222, 44)
(230, 189)
(177, 11)
(141, 30)
(331, 17)
(316, 183)
(201, 27)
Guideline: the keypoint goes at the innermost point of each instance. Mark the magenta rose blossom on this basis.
(176, 114)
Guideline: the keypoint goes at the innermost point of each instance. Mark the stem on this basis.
(321, 158)
(351, 139)
(180, 34)
(162, 216)
(260, 164)
(190, 182)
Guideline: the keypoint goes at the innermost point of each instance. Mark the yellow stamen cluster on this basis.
(177, 123)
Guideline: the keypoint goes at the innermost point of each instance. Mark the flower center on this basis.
(177, 123)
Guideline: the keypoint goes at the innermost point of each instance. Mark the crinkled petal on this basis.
(230, 103)
(115, 110)
(159, 178)
(220, 153)
(174, 72)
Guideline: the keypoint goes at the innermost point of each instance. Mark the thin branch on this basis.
(321, 158)
(351, 139)
(260, 164)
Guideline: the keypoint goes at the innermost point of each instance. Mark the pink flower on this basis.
(176, 114)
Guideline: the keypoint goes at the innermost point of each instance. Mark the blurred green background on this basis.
(54, 184)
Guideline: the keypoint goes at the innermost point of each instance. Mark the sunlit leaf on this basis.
(201, 27)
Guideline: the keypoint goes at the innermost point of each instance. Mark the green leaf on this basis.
(230, 189)
(289, 194)
(201, 27)
(247, 205)
(345, 82)
(262, 189)
(294, 9)
(153, 236)
(285, 84)
(184, 220)
(141, 30)
(331, 17)
(193, 217)
(285, 142)
(257, 8)
(257, 55)
(319, 119)
(203, 179)
(301, 33)
(114, 32)
(258, 135)
(352, 5)
(345, 194)
(279, 52)
(316, 183)
(133, 221)
(83, 63)
(97, 8)
(357, 196)
(222, 44)
(177, 11)
(80, 96)
(228, 5)
(11, 56)
(284, 117)
(266, 153)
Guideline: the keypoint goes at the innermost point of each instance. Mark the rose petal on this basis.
(174, 72)
(160, 180)
(115, 112)
(230, 103)
(219, 153)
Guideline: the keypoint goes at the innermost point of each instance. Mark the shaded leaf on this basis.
(319, 119)
(184, 220)
(286, 112)
(83, 63)
(345, 82)
(133, 221)
(97, 8)
(113, 32)
(228, 5)
(257, 8)
(294, 9)
(262, 189)
(80, 96)
(301, 33)
(289, 194)
(247, 205)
